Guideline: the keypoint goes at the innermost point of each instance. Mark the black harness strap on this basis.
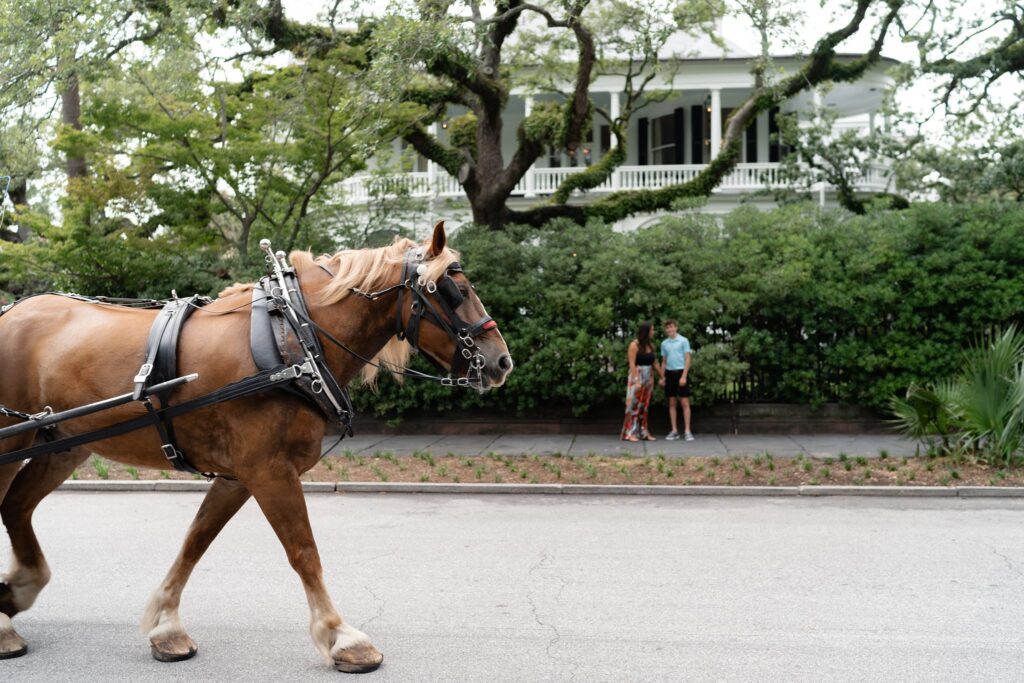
(315, 389)
(161, 365)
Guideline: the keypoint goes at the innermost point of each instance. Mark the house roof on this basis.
(700, 47)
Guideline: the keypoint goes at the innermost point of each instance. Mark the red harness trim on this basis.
(490, 325)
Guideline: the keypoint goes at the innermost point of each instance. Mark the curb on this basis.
(166, 485)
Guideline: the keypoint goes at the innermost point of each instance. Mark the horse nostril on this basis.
(505, 362)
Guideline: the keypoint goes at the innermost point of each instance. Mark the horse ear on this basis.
(438, 241)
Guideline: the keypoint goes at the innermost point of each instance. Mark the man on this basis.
(675, 366)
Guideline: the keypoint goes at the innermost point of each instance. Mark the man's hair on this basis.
(670, 321)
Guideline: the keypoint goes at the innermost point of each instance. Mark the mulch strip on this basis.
(759, 470)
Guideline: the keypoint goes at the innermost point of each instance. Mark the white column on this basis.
(431, 166)
(530, 178)
(871, 123)
(614, 112)
(762, 137)
(716, 122)
(433, 190)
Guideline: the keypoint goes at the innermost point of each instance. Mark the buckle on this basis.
(463, 381)
(447, 381)
(144, 372)
(292, 372)
(170, 452)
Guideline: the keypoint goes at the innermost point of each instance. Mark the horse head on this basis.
(445, 319)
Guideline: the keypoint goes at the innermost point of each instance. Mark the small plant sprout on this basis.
(102, 470)
(132, 472)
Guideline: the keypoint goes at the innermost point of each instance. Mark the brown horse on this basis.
(64, 353)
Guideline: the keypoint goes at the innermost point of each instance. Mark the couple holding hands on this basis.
(673, 367)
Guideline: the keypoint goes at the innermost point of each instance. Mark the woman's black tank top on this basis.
(645, 358)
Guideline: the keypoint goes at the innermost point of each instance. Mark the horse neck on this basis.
(364, 326)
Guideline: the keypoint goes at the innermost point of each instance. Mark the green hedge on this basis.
(794, 304)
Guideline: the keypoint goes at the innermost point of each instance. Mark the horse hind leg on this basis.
(167, 637)
(28, 572)
(11, 644)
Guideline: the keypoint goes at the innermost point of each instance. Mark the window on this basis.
(554, 157)
(412, 161)
(663, 140)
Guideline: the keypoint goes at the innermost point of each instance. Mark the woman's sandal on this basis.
(631, 437)
(648, 437)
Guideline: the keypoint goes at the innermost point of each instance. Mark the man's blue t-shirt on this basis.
(674, 352)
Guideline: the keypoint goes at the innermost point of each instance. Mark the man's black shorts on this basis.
(672, 386)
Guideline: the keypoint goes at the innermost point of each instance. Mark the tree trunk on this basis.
(71, 115)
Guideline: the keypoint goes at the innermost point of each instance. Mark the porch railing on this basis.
(544, 181)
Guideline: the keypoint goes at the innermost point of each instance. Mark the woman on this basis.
(640, 386)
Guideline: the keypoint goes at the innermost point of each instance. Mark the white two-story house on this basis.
(672, 140)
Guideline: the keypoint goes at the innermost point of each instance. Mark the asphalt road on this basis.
(550, 588)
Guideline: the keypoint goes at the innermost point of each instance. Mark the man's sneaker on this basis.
(688, 436)
(672, 436)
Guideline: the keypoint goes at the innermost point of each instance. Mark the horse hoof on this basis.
(358, 659)
(173, 649)
(12, 645)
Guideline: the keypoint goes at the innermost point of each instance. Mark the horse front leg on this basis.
(281, 499)
(167, 637)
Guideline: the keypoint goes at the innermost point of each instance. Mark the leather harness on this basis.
(285, 347)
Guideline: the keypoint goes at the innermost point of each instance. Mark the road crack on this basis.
(381, 604)
(545, 563)
(1008, 561)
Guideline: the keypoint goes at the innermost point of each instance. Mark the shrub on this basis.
(792, 305)
(980, 410)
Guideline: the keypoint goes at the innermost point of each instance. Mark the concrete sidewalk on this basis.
(824, 445)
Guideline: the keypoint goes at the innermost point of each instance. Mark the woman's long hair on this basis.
(643, 336)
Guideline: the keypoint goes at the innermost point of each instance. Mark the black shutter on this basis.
(773, 135)
(642, 144)
(697, 134)
(677, 123)
(751, 139)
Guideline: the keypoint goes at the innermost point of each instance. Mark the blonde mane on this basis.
(370, 270)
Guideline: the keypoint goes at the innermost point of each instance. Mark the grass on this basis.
(102, 469)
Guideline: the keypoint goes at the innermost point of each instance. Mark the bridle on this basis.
(466, 356)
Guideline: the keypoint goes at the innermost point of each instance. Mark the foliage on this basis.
(980, 410)
(792, 305)
(818, 153)
(982, 159)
